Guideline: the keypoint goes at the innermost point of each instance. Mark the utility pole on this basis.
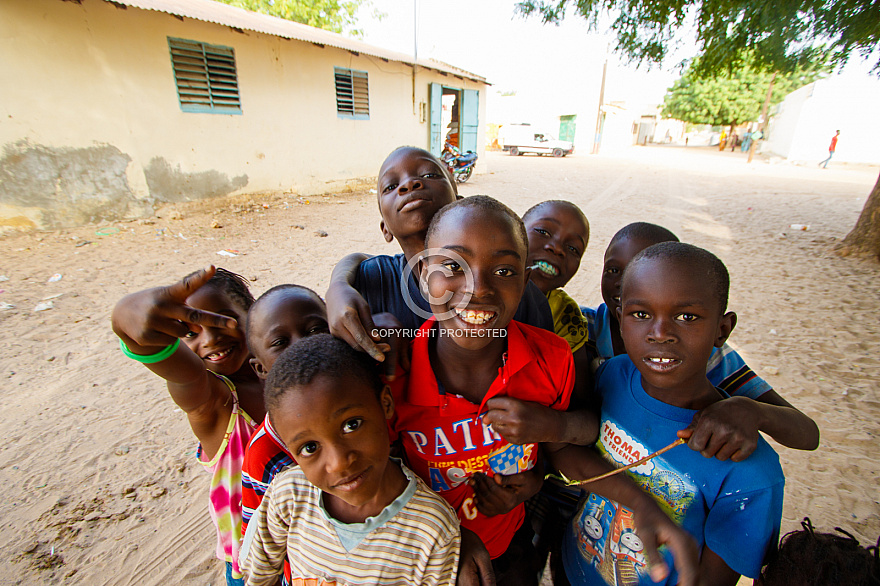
(415, 51)
(596, 139)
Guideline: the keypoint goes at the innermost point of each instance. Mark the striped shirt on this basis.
(415, 540)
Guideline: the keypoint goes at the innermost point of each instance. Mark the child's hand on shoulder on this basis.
(523, 422)
(500, 494)
(155, 317)
(350, 319)
(727, 430)
(395, 347)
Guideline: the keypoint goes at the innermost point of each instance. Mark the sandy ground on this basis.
(101, 482)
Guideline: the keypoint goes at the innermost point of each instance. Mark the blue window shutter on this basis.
(434, 121)
(470, 119)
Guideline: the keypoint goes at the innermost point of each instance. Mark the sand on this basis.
(99, 464)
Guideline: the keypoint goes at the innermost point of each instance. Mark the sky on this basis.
(553, 69)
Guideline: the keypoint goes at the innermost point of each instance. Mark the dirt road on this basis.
(98, 464)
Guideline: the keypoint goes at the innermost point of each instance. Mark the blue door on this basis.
(469, 114)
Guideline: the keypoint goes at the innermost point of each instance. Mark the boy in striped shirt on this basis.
(347, 514)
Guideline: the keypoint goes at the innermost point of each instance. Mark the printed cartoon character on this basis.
(628, 549)
(594, 521)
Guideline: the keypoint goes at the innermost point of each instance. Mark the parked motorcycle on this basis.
(461, 165)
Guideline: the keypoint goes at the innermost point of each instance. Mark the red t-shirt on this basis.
(833, 146)
(445, 439)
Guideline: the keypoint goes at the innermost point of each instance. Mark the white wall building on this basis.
(802, 125)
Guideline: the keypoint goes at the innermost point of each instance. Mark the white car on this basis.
(518, 139)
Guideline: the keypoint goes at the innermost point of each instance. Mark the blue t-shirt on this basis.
(733, 508)
(379, 280)
(726, 368)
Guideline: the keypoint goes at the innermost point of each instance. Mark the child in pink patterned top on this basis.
(209, 378)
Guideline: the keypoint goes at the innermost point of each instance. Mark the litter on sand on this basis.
(107, 231)
(55, 278)
(228, 252)
(44, 305)
(5, 306)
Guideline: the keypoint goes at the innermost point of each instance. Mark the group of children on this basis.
(329, 468)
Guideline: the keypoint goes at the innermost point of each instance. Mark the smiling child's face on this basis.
(558, 237)
(493, 249)
(281, 319)
(412, 187)
(670, 320)
(617, 257)
(223, 350)
(336, 429)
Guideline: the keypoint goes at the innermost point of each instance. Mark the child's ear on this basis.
(260, 371)
(422, 267)
(387, 402)
(385, 232)
(725, 327)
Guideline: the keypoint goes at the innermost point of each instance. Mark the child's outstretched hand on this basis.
(155, 317)
(727, 430)
(500, 494)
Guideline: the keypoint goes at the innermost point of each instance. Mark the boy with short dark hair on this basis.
(412, 186)
(278, 318)
(725, 430)
(672, 315)
(347, 513)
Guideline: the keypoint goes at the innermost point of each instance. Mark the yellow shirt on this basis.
(568, 321)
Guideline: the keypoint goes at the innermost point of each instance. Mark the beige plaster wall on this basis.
(92, 129)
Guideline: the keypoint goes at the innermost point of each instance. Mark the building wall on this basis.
(92, 128)
(802, 127)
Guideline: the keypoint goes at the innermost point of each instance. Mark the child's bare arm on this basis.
(729, 429)
(153, 319)
(715, 571)
(474, 563)
(348, 314)
(524, 422)
(653, 526)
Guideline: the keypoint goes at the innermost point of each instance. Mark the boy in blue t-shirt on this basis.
(728, 430)
(672, 317)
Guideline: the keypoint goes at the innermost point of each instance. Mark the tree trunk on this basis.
(865, 237)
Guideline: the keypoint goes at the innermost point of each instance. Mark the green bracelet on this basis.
(151, 358)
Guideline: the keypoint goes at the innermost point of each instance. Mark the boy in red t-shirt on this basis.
(473, 271)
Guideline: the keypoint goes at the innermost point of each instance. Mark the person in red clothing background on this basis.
(831, 148)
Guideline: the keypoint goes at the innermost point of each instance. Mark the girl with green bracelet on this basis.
(208, 376)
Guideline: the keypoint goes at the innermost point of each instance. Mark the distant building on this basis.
(112, 107)
(802, 125)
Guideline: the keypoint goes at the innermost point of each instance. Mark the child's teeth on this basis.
(547, 268)
(661, 360)
(475, 317)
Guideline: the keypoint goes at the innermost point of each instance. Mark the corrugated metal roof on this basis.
(223, 14)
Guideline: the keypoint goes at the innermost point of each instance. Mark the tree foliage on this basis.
(774, 35)
(332, 15)
(729, 98)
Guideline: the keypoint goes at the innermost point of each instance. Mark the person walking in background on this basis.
(831, 148)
